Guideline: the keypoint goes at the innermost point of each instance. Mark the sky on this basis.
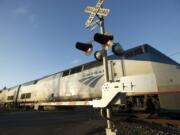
(37, 37)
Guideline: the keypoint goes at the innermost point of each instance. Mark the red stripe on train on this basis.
(153, 93)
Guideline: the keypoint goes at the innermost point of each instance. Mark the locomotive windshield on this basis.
(153, 54)
(135, 51)
(76, 70)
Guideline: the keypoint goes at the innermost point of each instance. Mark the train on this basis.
(84, 82)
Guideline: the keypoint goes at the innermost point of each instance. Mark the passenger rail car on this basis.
(84, 82)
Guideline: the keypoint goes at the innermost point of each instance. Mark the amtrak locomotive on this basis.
(84, 82)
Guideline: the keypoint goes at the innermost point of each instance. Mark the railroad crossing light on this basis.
(86, 47)
(98, 55)
(106, 40)
(117, 49)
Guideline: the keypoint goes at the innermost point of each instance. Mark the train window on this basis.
(65, 73)
(92, 65)
(25, 95)
(134, 52)
(129, 54)
(149, 49)
(138, 51)
(10, 97)
(28, 95)
(76, 70)
(153, 51)
(22, 96)
(35, 81)
(145, 48)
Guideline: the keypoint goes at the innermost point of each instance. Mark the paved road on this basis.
(82, 122)
(51, 123)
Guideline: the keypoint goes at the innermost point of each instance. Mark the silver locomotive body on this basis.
(84, 82)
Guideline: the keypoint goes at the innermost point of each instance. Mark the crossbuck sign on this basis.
(95, 11)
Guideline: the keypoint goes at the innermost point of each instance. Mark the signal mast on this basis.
(106, 41)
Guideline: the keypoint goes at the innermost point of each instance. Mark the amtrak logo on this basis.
(91, 80)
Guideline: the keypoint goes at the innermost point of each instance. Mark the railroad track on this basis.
(146, 124)
(151, 118)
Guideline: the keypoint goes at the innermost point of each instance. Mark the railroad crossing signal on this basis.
(106, 40)
(101, 12)
(95, 11)
(85, 47)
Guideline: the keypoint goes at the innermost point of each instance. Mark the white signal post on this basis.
(100, 12)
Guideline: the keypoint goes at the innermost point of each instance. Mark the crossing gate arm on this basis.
(109, 92)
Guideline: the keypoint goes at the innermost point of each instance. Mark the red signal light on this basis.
(85, 47)
(103, 39)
